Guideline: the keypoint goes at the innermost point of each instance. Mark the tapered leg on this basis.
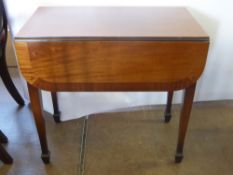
(56, 112)
(3, 138)
(36, 104)
(184, 119)
(5, 74)
(167, 114)
(4, 156)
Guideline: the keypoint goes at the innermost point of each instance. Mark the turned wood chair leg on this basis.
(56, 112)
(184, 119)
(167, 114)
(8, 81)
(36, 104)
(4, 156)
(3, 138)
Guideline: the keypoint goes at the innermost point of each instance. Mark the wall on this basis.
(216, 83)
(11, 62)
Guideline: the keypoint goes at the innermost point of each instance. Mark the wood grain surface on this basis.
(105, 23)
(111, 65)
(111, 49)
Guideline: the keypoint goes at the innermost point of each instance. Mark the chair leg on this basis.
(8, 81)
(167, 114)
(56, 112)
(3, 138)
(4, 156)
(36, 104)
(184, 119)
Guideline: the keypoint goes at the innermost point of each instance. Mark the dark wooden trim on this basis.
(112, 87)
(65, 39)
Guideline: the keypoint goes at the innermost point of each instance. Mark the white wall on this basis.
(216, 83)
(216, 17)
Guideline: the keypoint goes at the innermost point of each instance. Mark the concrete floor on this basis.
(138, 142)
(128, 141)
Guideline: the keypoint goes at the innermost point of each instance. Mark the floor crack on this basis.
(83, 146)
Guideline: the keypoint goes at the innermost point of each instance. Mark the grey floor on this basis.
(128, 141)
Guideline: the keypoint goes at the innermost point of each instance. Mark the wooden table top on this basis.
(112, 49)
(110, 23)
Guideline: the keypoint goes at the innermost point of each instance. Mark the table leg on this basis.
(184, 119)
(36, 104)
(4, 156)
(168, 115)
(56, 112)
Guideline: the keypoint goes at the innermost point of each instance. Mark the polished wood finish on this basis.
(184, 119)
(36, 104)
(111, 65)
(149, 49)
(168, 114)
(111, 23)
(91, 54)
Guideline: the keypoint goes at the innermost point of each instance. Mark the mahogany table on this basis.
(111, 49)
